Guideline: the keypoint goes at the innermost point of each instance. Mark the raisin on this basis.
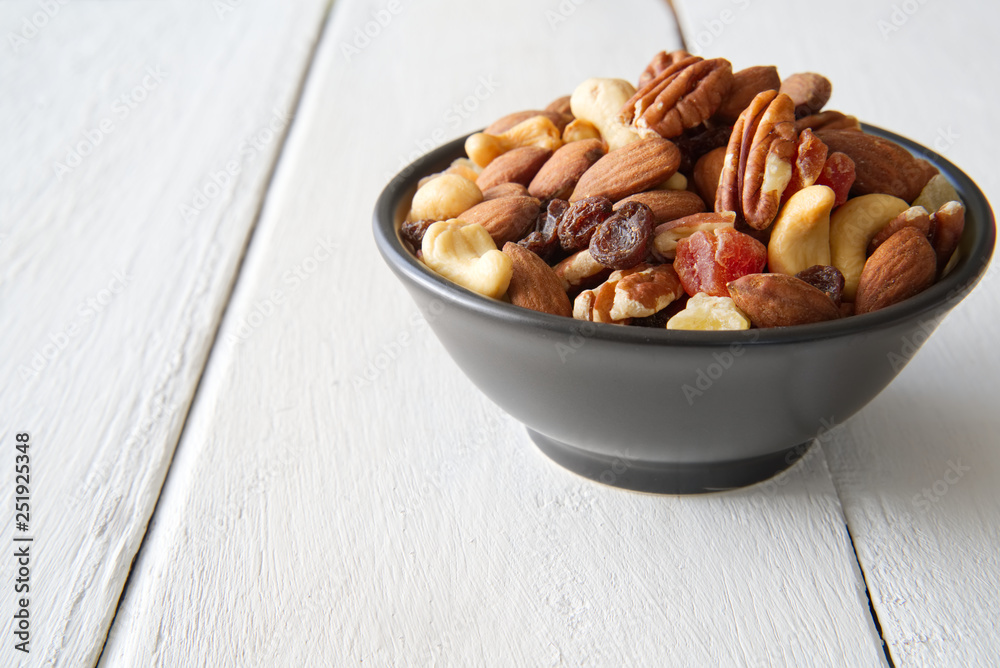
(622, 240)
(698, 141)
(412, 231)
(827, 279)
(707, 261)
(543, 241)
(581, 220)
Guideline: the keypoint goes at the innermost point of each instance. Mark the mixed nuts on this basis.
(701, 199)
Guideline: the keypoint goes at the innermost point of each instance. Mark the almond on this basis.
(505, 218)
(780, 300)
(746, 84)
(557, 177)
(505, 190)
(518, 165)
(708, 171)
(809, 91)
(667, 205)
(880, 165)
(904, 265)
(505, 123)
(630, 169)
(534, 285)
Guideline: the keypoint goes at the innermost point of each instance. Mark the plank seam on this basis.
(268, 182)
(871, 608)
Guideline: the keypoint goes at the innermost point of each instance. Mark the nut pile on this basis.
(701, 199)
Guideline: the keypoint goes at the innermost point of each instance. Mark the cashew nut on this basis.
(852, 228)
(704, 312)
(443, 197)
(800, 237)
(579, 129)
(600, 102)
(537, 131)
(465, 254)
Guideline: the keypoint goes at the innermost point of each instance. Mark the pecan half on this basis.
(660, 62)
(682, 96)
(758, 163)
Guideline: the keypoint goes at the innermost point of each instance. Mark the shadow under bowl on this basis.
(676, 411)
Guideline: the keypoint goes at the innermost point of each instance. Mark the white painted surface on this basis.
(343, 495)
(917, 470)
(109, 297)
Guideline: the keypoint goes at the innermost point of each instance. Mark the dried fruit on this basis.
(580, 221)
(544, 240)
(826, 278)
(900, 268)
(706, 313)
(838, 175)
(708, 261)
(779, 300)
(412, 231)
(622, 240)
(938, 191)
(666, 235)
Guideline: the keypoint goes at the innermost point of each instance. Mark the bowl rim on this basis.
(937, 300)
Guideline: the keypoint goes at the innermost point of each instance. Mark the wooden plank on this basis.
(916, 470)
(116, 116)
(342, 494)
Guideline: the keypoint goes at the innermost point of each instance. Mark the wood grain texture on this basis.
(917, 470)
(343, 495)
(113, 116)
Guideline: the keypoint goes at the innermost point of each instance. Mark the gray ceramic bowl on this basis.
(675, 411)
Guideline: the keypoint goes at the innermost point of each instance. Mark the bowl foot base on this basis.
(664, 478)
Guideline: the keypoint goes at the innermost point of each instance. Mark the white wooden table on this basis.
(248, 450)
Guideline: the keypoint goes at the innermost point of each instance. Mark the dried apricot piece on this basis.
(707, 261)
(838, 174)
